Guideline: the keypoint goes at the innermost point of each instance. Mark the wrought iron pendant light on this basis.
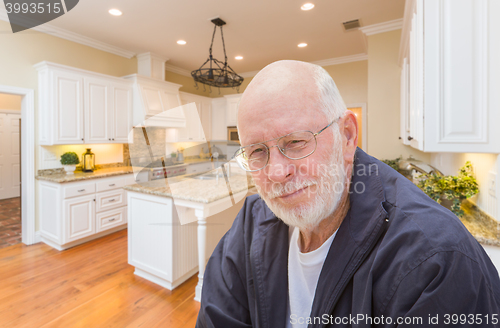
(213, 72)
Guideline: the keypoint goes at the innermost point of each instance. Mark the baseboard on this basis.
(38, 237)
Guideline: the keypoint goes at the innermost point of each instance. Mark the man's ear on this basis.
(349, 131)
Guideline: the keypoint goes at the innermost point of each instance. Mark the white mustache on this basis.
(279, 190)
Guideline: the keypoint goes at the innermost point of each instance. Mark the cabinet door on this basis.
(193, 130)
(120, 123)
(79, 217)
(97, 110)
(206, 119)
(232, 111)
(219, 126)
(68, 103)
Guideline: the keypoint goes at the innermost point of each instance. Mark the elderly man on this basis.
(335, 237)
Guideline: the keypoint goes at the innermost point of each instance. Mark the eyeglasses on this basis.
(295, 145)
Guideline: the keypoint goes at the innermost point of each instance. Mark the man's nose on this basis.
(279, 168)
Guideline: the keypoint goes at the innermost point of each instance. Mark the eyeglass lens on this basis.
(296, 145)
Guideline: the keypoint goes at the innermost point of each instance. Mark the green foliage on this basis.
(454, 188)
(70, 158)
(394, 163)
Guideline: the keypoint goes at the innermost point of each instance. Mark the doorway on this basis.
(10, 170)
(360, 111)
(26, 166)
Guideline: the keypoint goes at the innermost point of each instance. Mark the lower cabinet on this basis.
(79, 217)
(199, 167)
(75, 212)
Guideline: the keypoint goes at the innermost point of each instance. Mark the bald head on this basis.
(287, 82)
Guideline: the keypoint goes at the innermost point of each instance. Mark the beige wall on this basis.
(351, 80)
(483, 164)
(383, 99)
(10, 101)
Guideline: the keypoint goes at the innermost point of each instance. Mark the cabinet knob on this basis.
(113, 139)
(109, 139)
(410, 138)
(82, 139)
(81, 190)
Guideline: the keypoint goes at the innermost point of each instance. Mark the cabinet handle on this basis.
(112, 185)
(111, 200)
(111, 219)
(409, 137)
(81, 190)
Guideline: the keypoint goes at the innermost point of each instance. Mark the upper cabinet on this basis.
(77, 106)
(450, 76)
(198, 113)
(232, 103)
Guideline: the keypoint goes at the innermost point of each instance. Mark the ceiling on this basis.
(262, 31)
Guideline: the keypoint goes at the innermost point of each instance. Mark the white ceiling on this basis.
(262, 31)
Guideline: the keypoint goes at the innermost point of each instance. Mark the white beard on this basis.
(321, 204)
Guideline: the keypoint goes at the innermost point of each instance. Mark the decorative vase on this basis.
(70, 169)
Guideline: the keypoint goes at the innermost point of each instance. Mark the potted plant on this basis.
(69, 160)
(450, 190)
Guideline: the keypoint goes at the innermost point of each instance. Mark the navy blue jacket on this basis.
(396, 254)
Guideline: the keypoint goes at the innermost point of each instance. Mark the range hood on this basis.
(156, 102)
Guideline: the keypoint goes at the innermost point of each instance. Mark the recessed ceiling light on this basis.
(307, 6)
(181, 42)
(115, 12)
(302, 45)
(238, 57)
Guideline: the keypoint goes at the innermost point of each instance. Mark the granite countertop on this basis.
(79, 175)
(188, 188)
(484, 228)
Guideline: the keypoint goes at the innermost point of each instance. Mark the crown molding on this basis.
(340, 60)
(75, 37)
(249, 74)
(178, 70)
(382, 27)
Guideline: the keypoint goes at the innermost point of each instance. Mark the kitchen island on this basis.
(175, 223)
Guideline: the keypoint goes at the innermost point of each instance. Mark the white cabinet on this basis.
(66, 106)
(77, 106)
(219, 126)
(198, 113)
(75, 212)
(79, 215)
(450, 76)
(232, 102)
(199, 167)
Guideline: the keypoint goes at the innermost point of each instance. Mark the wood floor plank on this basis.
(91, 285)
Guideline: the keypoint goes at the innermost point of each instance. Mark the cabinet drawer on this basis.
(115, 183)
(110, 199)
(110, 219)
(79, 190)
(199, 168)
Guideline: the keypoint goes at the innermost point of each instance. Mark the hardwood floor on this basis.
(90, 285)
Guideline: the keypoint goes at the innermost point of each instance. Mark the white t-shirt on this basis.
(303, 274)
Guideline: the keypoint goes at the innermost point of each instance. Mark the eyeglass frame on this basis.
(282, 150)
